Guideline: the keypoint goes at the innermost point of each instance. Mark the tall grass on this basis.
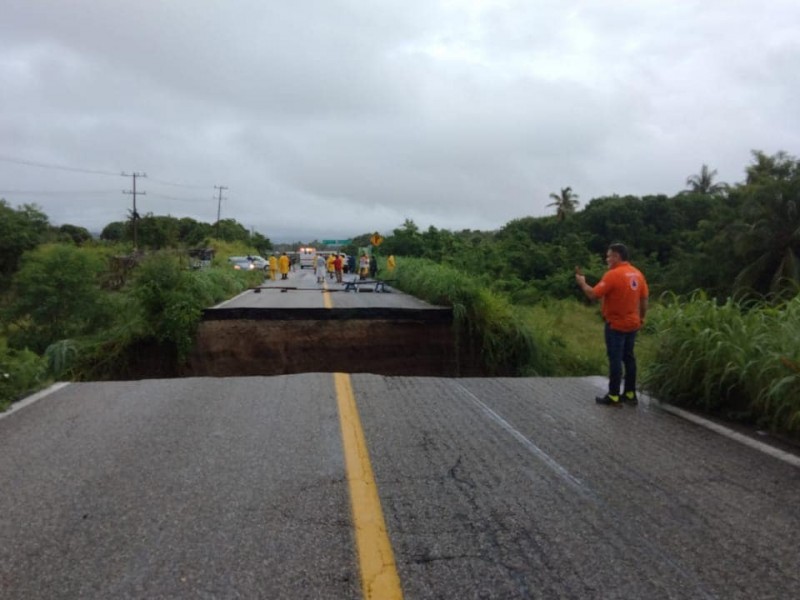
(741, 361)
(574, 334)
(552, 338)
(487, 323)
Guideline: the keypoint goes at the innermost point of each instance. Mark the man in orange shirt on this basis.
(623, 290)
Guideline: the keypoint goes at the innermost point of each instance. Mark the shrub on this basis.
(21, 372)
(56, 295)
(164, 291)
(172, 299)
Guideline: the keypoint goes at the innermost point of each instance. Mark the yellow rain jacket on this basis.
(283, 262)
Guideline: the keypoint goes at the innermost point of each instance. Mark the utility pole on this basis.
(219, 204)
(134, 175)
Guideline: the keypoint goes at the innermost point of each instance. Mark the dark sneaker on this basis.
(630, 398)
(608, 399)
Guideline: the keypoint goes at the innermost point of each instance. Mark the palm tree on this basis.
(703, 183)
(566, 202)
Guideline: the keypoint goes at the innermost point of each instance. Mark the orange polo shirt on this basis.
(622, 289)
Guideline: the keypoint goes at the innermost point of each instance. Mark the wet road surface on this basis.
(489, 488)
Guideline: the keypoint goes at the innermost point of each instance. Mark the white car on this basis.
(248, 263)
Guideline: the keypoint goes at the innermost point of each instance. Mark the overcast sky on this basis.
(330, 118)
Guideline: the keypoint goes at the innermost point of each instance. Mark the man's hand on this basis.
(580, 278)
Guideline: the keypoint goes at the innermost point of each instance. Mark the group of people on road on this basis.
(280, 265)
(334, 266)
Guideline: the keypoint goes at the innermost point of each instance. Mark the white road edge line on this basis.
(715, 427)
(224, 302)
(548, 460)
(729, 433)
(34, 398)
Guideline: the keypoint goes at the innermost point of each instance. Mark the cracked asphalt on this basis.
(490, 488)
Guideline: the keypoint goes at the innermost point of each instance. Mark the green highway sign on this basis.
(336, 242)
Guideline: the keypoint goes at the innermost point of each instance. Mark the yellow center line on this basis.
(379, 578)
(326, 296)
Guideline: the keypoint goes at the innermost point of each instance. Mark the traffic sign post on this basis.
(376, 239)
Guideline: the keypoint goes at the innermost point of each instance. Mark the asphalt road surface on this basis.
(490, 488)
(301, 291)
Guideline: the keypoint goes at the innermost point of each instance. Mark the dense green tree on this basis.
(405, 241)
(73, 233)
(260, 242)
(157, 232)
(612, 219)
(539, 229)
(193, 233)
(113, 232)
(21, 229)
(769, 244)
(231, 230)
(56, 295)
(779, 166)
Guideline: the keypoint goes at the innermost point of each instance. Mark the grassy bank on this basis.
(574, 334)
(553, 338)
(741, 362)
(738, 362)
(487, 323)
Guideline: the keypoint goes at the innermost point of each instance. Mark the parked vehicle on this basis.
(248, 263)
(307, 257)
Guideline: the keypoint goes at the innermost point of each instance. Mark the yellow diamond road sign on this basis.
(376, 239)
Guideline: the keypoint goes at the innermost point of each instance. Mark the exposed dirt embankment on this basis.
(272, 347)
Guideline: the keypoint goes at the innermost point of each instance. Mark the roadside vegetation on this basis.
(553, 337)
(726, 258)
(738, 360)
(78, 309)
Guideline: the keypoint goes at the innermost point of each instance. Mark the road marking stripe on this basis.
(34, 398)
(379, 578)
(543, 456)
(326, 296)
(734, 435)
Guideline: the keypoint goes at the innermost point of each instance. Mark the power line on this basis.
(57, 192)
(154, 195)
(42, 165)
(31, 163)
(183, 185)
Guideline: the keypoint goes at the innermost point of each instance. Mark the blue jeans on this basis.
(619, 347)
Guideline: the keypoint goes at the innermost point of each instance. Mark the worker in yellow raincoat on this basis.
(283, 265)
(330, 265)
(273, 267)
(390, 263)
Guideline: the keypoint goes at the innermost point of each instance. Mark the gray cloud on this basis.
(328, 119)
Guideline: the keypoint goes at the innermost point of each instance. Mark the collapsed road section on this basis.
(299, 326)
